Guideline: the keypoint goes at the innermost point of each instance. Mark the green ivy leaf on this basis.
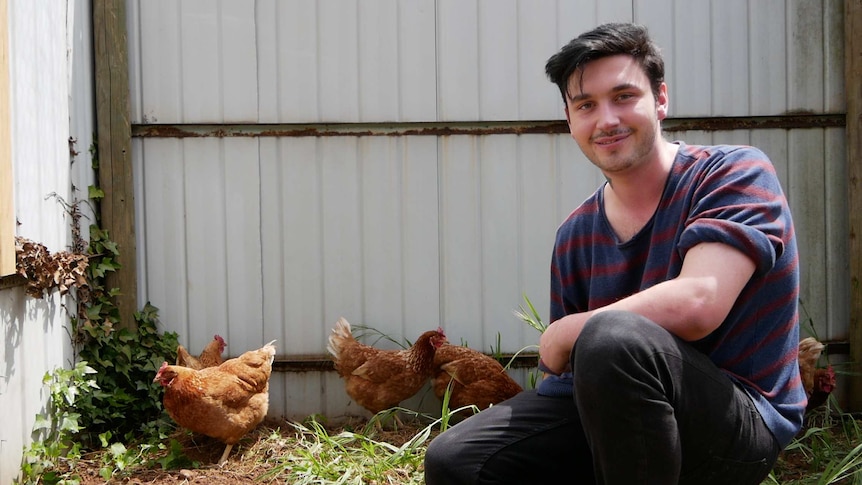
(42, 422)
(51, 478)
(95, 193)
(112, 247)
(71, 393)
(69, 424)
(93, 312)
(118, 449)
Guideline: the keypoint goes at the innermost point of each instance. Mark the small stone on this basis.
(187, 474)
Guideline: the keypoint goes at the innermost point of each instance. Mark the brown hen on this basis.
(378, 379)
(209, 357)
(476, 379)
(819, 382)
(224, 402)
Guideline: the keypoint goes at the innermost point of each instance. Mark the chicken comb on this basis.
(440, 331)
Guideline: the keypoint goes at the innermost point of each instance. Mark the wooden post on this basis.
(853, 87)
(7, 212)
(114, 135)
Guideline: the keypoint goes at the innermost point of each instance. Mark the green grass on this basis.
(383, 451)
(318, 455)
(827, 454)
(827, 451)
(346, 457)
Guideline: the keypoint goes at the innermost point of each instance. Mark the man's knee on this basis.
(612, 344)
(441, 461)
(612, 331)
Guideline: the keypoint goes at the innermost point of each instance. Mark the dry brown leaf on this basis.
(44, 271)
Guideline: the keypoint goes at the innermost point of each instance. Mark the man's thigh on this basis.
(723, 437)
(527, 439)
(653, 401)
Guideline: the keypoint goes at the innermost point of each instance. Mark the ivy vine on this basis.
(111, 379)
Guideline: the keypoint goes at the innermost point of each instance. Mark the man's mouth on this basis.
(607, 140)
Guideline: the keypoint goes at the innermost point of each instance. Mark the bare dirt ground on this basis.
(258, 452)
(246, 464)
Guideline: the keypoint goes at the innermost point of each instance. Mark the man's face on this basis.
(613, 114)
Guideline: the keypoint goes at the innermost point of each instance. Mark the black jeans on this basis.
(648, 409)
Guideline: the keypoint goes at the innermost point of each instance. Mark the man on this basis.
(674, 295)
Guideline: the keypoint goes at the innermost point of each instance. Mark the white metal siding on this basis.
(269, 61)
(276, 238)
(402, 234)
(263, 237)
(51, 99)
(407, 233)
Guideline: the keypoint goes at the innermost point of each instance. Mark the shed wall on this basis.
(255, 236)
(268, 61)
(51, 102)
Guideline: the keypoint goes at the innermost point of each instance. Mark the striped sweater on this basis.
(726, 194)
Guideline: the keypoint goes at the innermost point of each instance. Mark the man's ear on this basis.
(566, 110)
(662, 102)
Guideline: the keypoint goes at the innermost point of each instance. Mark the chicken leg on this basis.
(223, 459)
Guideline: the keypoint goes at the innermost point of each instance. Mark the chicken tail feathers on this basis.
(269, 349)
(185, 359)
(339, 335)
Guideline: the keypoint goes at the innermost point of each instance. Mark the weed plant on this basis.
(827, 451)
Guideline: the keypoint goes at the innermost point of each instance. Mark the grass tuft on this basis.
(318, 457)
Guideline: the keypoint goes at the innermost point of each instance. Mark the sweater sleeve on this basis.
(739, 202)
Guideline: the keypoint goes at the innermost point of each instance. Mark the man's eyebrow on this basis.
(620, 87)
(577, 97)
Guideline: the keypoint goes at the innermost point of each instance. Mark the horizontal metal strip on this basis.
(520, 361)
(790, 121)
(324, 364)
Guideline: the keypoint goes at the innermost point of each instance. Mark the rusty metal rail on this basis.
(321, 363)
(789, 121)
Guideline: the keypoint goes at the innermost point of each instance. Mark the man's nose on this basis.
(607, 116)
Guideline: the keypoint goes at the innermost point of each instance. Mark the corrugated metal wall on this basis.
(51, 79)
(251, 230)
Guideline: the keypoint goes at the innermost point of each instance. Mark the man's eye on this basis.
(584, 106)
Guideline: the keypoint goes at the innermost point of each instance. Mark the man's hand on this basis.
(555, 345)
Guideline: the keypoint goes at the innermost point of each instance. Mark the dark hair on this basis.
(603, 41)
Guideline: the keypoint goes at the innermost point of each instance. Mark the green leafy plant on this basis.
(126, 357)
(176, 458)
(109, 393)
(126, 361)
(54, 430)
(116, 458)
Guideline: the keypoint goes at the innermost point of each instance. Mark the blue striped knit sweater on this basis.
(727, 194)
